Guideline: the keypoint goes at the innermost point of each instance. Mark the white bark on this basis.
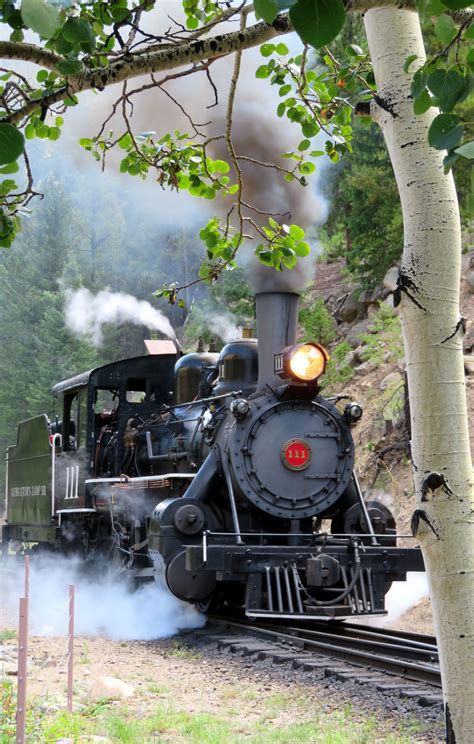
(444, 518)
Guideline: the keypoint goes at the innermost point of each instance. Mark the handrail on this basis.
(56, 437)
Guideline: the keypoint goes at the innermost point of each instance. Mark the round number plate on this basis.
(296, 454)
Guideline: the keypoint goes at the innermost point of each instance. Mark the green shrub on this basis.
(316, 323)
(338, 371)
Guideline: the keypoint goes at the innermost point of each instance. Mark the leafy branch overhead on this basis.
(90, 46)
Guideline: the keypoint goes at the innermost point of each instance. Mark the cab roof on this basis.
(157, 367)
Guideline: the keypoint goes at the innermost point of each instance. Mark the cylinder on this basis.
(277, 321)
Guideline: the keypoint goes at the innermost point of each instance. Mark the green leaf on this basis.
(302, 249)
(444, 83)
(273, 223)
(266, 50)
(281, 109)
(318, 21)
(408, 62)
(284, 89)
(290, 262)
(469, 34)
(41, 17)
(445, 29)
(12, 144)
(418, 84)
(296, 232)
(304, 144)
(266, 9)
(42, 75)
(449, 161)
(125, 142)
(282, 49)
(445, 133)
(466, 150)
(54, 133)
(10, 168)
(70, 67)
(422, 103)
(78, 31)
(265, 256)
(30, 131)
(218, 166)
(306, 168)
(192, 23)
(262, 72)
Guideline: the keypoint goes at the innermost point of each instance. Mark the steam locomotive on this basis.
(227, 473)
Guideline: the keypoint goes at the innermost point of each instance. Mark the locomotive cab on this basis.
(52, 469)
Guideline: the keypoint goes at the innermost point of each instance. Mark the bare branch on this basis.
(228, 130)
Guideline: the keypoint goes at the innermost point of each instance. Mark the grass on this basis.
(178, 651)
(7, 635)
(85, 654)
(168, 724)
(157, 689)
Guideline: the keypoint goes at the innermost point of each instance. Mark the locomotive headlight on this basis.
(305, 362)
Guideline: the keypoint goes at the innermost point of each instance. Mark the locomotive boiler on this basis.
(229, 474)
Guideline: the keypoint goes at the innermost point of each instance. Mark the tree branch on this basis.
(144, 63)
(29, 53)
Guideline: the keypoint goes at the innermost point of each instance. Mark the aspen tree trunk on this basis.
(432, 333)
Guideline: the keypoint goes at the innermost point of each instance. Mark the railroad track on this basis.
(412, 657)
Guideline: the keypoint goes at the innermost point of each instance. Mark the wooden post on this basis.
(22, 671)
(27, 576)
(70, 658)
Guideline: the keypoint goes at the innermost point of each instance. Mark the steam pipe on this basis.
(365, 511)
(277, 320)
(201, 484)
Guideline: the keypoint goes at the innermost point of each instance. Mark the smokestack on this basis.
(277, 319)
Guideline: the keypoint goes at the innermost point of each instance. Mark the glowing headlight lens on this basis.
(308, 362)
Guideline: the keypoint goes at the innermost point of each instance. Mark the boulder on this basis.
(390, 279)
(468, 340)
(362, 354)
(350, 309)
(370, 297)
(373, 311)
(470, 282)
(364, 369)
(351, 359)
(355, 334)
(394, 379)
(110, 688)
(469, 364)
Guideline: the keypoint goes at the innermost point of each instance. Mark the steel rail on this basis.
(360, 651)
(378, 634)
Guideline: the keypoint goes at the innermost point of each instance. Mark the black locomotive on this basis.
(228, 473)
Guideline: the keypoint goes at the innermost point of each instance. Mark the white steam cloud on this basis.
(86, 314)
(401, 597)
(223, 325)
(103, 605)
